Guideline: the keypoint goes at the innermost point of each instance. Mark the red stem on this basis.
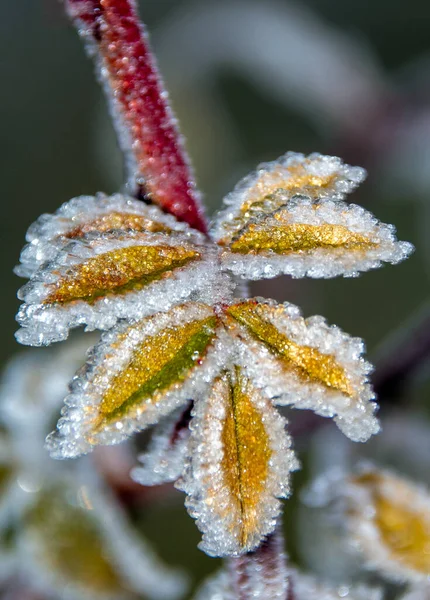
(158, 169)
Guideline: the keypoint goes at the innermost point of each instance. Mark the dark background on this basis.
(57, 142)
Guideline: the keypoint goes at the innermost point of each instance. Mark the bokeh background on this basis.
(249, 80)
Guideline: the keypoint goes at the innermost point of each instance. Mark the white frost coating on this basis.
(277, 175)
(165, 458)
(43, 324)
(306, 587)
(49, 233)
(209, 500)
(320, 262)
(137, 567)
(107, 360)
(353, 415)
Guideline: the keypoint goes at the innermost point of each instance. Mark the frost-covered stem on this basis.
(262, 573)
(158, 169)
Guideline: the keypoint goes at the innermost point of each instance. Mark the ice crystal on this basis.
(177, 333)
(99, 214)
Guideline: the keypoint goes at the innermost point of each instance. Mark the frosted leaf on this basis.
(305, 363)
(388, 518)
(138, 374)
(307, 587)
(307, 239)
(273, 184)
(87, 214)
(106, 277)
(165, 458)
(76, 542)
(240, 464)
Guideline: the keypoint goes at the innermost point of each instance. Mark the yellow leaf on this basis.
(305, 363)
(139, 373)
(118, 272)
(302, 238)
(241, 460)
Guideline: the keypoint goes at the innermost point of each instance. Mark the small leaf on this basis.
(273, 184)
(307, 239)
(138, 374)
(305, 363)
(89, 214)
(164, 460)
(240, 463)
(80, 540)
(389, 518)
(103, 278)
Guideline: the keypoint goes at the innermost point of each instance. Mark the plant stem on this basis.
(157, 165)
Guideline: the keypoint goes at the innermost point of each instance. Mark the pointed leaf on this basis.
(307, 239)
(389, 519)
(103, 278)
(89, 214)
(138, 374)
(273, 184)
(165, 458)
(240, 463)
(306, 363)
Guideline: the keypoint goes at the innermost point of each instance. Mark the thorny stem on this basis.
(158, 169)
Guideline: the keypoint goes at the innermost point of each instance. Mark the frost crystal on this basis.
(305, 363)
(316, 176)
(138, 374)
(106, 277)
(304, 239)
(240, 463)
(178, 337)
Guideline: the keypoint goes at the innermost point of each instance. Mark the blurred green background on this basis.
(248, 80)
